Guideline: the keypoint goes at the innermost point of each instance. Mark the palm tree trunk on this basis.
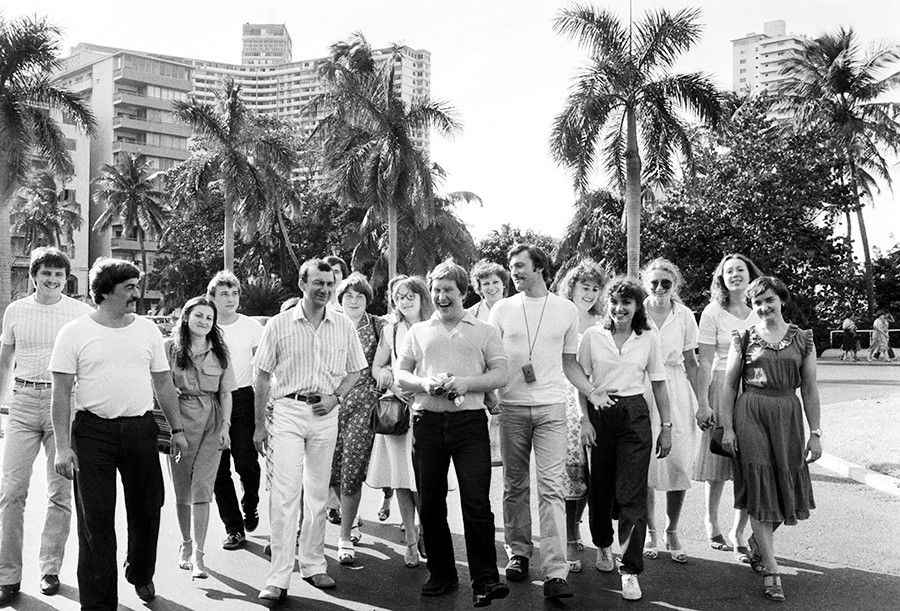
(868, 272)
(140, 233)
(632, 195)
(6, 260)
(228, 246)
(287, 239)
(392, 241)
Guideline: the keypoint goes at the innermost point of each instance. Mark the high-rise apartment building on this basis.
(266, 44)
(757, 59)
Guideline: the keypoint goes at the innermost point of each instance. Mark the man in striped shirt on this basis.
(308, 359)
(30, 326)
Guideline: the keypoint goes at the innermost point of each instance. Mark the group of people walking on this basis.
(599, 381)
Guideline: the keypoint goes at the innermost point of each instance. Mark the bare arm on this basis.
(809, 391)
(329, 402)
(691, 369)
(225, 406)
(576, 376)
(661, 394)
(7, 359)
(381, 369)
(704, 378)
(61, 418)
(261, 386)
(167, 397)
(733, 369)
(497, 375)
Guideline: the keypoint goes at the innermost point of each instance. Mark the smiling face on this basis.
(448, 301)
(317, 288)
(49, 283)
(767, 306)
(491, 288)
(659, 284)
(409, 303)
(201, 320)
(524, 275)
(735, 275)
(122, 299)
(585, 294)
(354, 304)
(621, 311)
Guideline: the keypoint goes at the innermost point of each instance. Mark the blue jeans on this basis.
(103, 447)
(542, 428)
(28, 429)
(462, 436)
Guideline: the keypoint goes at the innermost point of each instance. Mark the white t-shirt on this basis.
(552, 336)
(112, 366)
(624, 370)
(242, 337)
(716, 325)
(32, 327)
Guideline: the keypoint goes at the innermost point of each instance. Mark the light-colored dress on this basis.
(716, 325)
(575, 478)
(678, 334)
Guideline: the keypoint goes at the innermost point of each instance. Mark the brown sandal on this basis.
(772, 583)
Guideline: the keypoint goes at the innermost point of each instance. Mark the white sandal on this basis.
(346, 552)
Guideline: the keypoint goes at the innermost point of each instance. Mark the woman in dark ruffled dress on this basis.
(764, 430)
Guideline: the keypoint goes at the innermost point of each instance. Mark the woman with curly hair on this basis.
(202, 373)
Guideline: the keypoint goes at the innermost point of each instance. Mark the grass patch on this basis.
(865, 432)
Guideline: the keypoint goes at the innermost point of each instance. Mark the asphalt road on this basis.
(847, 556)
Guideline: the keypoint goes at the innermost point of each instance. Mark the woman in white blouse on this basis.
(677, 330)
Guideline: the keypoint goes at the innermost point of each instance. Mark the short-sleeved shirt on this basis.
(554, 334)
(677, 335)
(479, 311)
(716, 325)
(112, 366)
(205, 376)
(466, 350)
(624, 370)
(242, 337)
(304, 359)
(32, 328)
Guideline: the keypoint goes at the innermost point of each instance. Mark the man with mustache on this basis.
(450, 361)
(308, 359)
(119, 362)
(30, 326)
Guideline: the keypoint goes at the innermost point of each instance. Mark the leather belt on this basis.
(30, 384)
(311, 399)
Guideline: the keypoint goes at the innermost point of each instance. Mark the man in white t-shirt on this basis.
(119, 361)
(242, 335)
(540, 336)
(30, 326)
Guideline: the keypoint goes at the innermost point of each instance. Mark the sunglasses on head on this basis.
(666, 284)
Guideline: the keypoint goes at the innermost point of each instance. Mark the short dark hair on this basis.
(49, 256)
(356, 282)
(449, 270)
(485, 268)
(765, 283)
(106, 273)
(333, 260)
(539, 258)
(628, 288)
(313, 265)
(225, 277)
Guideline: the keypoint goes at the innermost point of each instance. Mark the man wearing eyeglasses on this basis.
(449, 361)
(309, 357)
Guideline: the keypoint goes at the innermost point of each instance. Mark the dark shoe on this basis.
(321, 580)
(436, 586)
(49, 584)
(483, 595)
(146, 592)
(557, 588)
(333, 515)
(267, 550)
(234, 540)
(517, 568)
(8, 593)
(251, 521)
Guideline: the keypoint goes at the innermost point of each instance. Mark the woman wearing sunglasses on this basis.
(677, 330)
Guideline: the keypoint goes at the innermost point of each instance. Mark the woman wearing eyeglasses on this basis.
(391, 463)
(677, 330)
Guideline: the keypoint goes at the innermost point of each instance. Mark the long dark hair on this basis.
(183, 335)
(628, 288)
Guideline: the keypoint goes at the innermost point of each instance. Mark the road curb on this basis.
(844, 468)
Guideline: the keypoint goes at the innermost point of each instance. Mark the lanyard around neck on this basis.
(531, 344)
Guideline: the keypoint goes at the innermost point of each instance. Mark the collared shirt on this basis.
(304, 359)
(677, 335)
(624, 370)
(466, 350)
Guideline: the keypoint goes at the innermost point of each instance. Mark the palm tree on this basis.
(41, 212)
(29, 53)
(233, 144)
(128, 190)
(370, 153)
(831, 84)
(626, 102)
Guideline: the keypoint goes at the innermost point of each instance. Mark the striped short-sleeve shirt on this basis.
(304, 359)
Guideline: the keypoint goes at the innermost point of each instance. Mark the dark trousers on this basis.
(104, 446)
(618, 486)
(246, 464)
(462, 436)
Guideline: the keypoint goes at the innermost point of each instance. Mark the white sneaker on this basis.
(630, 588)
(605, 562)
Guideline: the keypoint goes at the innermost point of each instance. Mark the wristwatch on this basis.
(666, 424)
(816, 432)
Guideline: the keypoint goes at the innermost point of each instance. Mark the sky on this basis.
(498, 62)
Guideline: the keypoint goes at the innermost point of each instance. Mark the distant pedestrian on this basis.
(119, 362)
(30, 326)
(764, 426)
(849, 341)
(881, 340)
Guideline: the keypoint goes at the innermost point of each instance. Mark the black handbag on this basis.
(164, 437)
(715, 440)
(390, 416)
